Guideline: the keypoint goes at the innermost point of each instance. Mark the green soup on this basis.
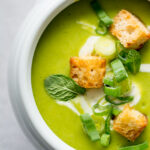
(62, 39)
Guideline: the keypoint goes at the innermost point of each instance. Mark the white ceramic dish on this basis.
(19, 75)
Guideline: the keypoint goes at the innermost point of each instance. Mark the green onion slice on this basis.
(101, 110)
(116, 111)
(131, 59)
(109, 81)
(107, 121)
(99, 123)
(142, 146)
(130, 98)
(101, 13)
(112, 91)
(123, 56)
(119, 46)
(101, 29)
(119, 70)
(134, 61)
(105, 139)
(89, 127)
(125, 85)
(118, 100)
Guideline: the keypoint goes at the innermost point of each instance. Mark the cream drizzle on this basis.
(145, 68)
(88, 47)
(93, 95)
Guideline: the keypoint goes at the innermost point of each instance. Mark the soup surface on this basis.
(62, 39)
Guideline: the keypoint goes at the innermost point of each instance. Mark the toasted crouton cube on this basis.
(131, 32)
(88, 72)
(130, 123)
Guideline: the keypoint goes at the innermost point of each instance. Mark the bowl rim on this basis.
(19, 75)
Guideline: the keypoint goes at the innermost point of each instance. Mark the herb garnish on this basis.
(104, 20)
(142, 146)
(62, 88)
(131, 59)
(89, 127)
(118, 100)
(119, 70)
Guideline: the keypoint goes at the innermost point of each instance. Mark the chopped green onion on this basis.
(101, 110)
(134, 61)
(107, 121)
(99, 123)
(130, 98)
(118, 100)
(105, 47)
(109, 81)
(112, 91)
(142, 146)
(89, 127)
(105, 139)
(123, 56)
(101, 13)
(119, 46)
(131, 59)
(116, 111)
(119, 70)
(101, 29)
(125, 85)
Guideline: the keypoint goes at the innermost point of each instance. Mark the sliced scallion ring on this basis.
(142, 146)
(116, 111)
(119, 70)
(119, 46)
(101, 13)
(118, 100)
(101, 29)
(129, 98)
(109, 81)
(112, 91)
(101, 110)
(90, 127)
(107, 121)
(105, 139)
(123, 56)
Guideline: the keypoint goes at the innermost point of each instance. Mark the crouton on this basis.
(130, 123)
(88, 71)
(131, 32)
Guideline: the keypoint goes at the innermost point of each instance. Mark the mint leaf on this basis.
(62, 88)
(131, 59)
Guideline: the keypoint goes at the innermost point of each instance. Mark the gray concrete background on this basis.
(12, 14)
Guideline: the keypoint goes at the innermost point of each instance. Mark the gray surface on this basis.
(12, 14)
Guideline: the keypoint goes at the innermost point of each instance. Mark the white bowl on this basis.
(19, 75)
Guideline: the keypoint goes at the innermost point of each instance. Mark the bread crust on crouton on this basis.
(131, 32)
(88, 71)
(130, 123)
